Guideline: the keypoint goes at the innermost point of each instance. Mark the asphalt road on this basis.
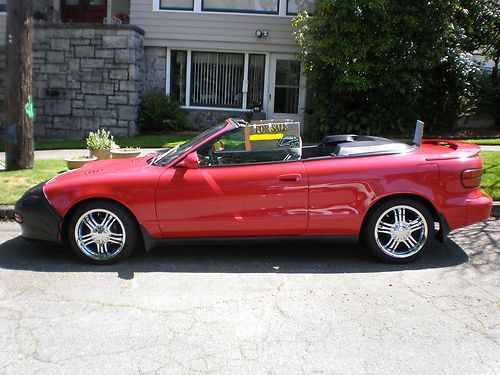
(291, 307)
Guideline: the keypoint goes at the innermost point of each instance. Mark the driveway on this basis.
(290, 307)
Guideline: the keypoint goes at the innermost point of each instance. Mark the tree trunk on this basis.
(18, 91)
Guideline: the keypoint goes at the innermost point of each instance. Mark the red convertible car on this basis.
(252, 180)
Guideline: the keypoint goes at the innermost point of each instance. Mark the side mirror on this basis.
(191, 161)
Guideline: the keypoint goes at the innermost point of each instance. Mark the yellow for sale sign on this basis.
(272, 135)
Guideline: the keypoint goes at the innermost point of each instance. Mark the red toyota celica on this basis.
(255, 180)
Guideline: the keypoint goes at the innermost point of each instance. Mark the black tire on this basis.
(399, 230)
(102, 232)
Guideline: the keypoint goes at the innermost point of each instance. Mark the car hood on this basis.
(105, 168)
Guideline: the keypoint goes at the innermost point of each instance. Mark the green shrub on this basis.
(101, 139)
(158, 112)
(379, 65)
(488, 99)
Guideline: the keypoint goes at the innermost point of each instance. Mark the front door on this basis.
(229, 201)
(286, 88)
(92, 11)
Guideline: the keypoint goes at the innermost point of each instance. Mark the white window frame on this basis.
(245, 79)
(282, 7)
(177, 9)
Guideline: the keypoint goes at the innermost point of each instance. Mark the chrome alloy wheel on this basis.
(401, 231)
(100, 234)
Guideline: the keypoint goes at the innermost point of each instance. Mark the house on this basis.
(227, 55)
(217, 57)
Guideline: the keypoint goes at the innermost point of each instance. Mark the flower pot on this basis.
(101, 153)
(123, 153)
(73, 163)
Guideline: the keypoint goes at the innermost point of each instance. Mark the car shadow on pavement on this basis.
(317, 256)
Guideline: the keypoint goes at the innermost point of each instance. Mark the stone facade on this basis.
(155, 69)
(90, 76)
(202, 119)
(86, 77)
(2, 91)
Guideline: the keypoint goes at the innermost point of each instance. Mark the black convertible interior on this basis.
(346, 145)
(334, 146)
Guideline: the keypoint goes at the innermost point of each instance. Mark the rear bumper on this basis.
(464, 211)
(39, 220)
(478, 208)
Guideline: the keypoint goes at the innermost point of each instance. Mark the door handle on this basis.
(290, 177)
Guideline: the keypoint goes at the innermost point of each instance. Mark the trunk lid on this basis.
(441, 149)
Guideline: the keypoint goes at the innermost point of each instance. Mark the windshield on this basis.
(168, 156)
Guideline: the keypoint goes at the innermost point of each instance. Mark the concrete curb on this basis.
(7, 211)
(495, 211)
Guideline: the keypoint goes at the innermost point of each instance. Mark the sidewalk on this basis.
(61, 154)
(490, 148)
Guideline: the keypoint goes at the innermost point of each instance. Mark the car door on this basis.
(259, 199)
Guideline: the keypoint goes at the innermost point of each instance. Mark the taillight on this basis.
(471, 178)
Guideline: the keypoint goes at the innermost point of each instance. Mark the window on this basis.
(217, 79)
(250, 6)
(3, 5)
(235, 148)
(256, 70)
(178, 76)
(296, 6)
(177, 4)
(287, 86)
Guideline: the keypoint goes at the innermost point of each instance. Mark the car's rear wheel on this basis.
(399, 230)
(102, 232)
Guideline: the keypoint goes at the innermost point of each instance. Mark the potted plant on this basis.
(100, 144)
(79, 161)
(125, 152)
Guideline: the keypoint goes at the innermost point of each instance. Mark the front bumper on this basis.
(38, 220)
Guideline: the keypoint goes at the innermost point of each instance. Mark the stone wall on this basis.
(202, 119)
(155, 69)
(2, 92)
(86, 77)
(90, 76)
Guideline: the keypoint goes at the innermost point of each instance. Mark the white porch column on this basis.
(109, 12)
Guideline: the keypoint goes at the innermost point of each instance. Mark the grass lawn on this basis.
(491, 178)
(488, 142)
(144, 141)
(14, 183)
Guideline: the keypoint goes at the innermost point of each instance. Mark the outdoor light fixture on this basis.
(261, 33)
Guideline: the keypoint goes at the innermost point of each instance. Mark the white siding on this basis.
(211, 30)
(3, 27)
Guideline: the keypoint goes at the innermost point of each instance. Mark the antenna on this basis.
(419, 133)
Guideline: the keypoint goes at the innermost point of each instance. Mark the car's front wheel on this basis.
(399, 230)
(102, 232)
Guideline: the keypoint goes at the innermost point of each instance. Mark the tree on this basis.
(377, 65)
(479, 23)
(18, 86)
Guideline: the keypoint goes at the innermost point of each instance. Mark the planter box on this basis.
(101, 153)
(121, 153)
(78, 162)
